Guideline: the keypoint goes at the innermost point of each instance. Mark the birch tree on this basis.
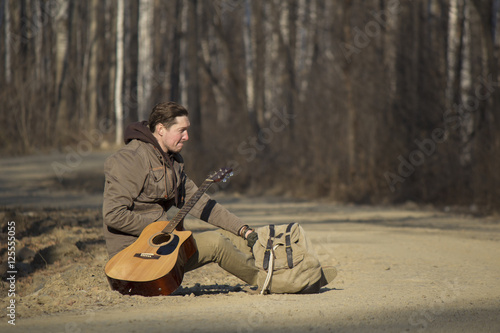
(145, 63)
(287, 42)
(119, 72)
(307, 27)
(93, 45)
(456, 29)
(347, 77)
(7, 42)
(259, 40)
(38, 40)
(63, 32)
(183, 55)
(193, 84)
(176, 54)
(249, 66)
(210, 63)
(254, 63)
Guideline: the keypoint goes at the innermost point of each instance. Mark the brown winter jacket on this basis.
(139, 189)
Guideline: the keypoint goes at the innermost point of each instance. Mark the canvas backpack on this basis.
(286, 260)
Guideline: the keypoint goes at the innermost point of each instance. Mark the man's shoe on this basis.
(328, 274)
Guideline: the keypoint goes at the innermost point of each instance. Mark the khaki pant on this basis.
(231, 252)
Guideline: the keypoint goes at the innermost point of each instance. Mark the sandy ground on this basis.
(401, 269)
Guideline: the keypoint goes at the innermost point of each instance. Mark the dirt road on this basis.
(401, 269)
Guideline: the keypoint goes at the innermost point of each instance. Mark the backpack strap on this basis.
(269, 276)
(288, 246)
(267, 254)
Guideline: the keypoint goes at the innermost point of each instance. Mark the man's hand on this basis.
(249, 234)
(252, 238)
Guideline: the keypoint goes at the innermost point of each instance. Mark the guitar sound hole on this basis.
(161, 239)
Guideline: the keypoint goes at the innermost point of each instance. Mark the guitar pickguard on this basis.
(169, 247)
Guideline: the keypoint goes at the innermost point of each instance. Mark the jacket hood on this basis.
(140, 131)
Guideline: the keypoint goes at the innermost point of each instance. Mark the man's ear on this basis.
(159, 128)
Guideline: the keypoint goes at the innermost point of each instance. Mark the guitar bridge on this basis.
(147, 256)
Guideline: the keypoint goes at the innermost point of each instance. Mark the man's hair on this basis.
(165, 113)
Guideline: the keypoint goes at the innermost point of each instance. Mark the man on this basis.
(145, 178)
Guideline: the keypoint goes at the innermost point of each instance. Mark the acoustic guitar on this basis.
(154, 264)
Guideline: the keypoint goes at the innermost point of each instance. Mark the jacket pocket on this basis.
(154, 187)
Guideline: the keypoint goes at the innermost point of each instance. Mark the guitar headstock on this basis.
(222, 175)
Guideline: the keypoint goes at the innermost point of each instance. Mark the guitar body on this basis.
(154, 264)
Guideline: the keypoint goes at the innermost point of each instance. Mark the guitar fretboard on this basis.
(181, 214)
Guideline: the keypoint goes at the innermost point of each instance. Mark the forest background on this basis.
(375, 102)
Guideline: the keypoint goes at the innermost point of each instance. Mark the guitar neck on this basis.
(181, 214)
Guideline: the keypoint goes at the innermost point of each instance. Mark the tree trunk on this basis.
(193, 88)
(286, 35)
(259, 42)
(209, 44)
(63, 33)
(466, 88)
(145, 65)
(249, 66)
(38, 24)
(107, 81)
(130, 48)
(183, 61)
(93, 68)
(350, 109)
(8, 43)
(119, 72)
(454, 58)
(176, 56)
(288, 43)
(307, 28)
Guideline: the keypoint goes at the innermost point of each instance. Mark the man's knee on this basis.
(212, 242)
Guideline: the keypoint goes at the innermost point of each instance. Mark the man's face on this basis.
(172, 139)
